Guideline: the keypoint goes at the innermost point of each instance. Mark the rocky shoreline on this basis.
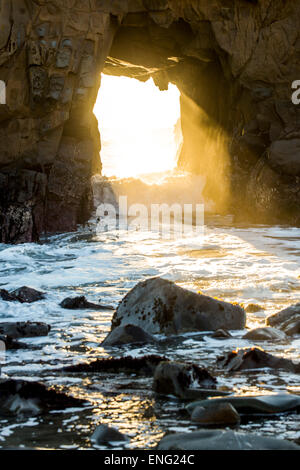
(152, 313)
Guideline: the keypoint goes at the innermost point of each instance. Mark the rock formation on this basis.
(159, 306)
(234, 62)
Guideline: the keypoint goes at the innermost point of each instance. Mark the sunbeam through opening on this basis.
(139, 126)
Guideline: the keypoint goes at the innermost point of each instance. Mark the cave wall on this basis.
(234, 60)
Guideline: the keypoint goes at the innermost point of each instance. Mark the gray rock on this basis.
(214, 413)
(221, 334)
(260, 404)
(144, 365)
(159, 306)
(12, 343)
(25, 397)
(81, 303)
(23, 294)
(24, 329)
(223, 440)
(104, 434)
(183, 380)
(287, 320)
(128, 334)
(255, 358)
(265, 334)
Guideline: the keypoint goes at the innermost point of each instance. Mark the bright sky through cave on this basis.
(138, 125)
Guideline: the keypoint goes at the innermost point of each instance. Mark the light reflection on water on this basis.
(241, 264)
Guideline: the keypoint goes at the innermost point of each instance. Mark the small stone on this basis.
(81, 303)
(216, 414)
(265, 334)
(128, 334)
(221, 334)
(253, 308)
(23, 294)
(180, 379)
(104, 434)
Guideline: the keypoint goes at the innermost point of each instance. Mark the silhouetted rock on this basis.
(24, 329)
(81, 303)
(160, 306)
(182, 380)
(288, 320)
(222, 59)
(215, 414)
(272, 404)
(25, 397)
(128, 334)
(23, 294)
(145, 365)
(265, 334)
(255, 358)
(223, 440)
(104, 434)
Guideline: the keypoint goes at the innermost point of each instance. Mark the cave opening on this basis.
(140, 127)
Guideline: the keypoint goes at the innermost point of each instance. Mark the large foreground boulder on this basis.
(257, 405)
(182, 380)
(255, 358)
(223, 440)
(287, 320)
(160, 306)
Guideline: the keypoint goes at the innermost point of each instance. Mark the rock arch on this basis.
(234, 62)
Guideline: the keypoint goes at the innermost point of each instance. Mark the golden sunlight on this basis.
(139, 126)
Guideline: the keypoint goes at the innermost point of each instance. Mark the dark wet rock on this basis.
(287, 320)
(215, 414)
(265, 334)
(20, 396)
(145, 365)
(221, 334)
(104, 434)
(260, 404)
(12, 343)
(255, 358)
(223, 440)
(5, 295)
(23, 294)
(182, 380)
(160, 306)
(28, 295)
(128, 334)
(24, 329)
(253, 308)
(81, 303)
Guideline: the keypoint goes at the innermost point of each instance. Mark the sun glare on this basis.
(139, 126)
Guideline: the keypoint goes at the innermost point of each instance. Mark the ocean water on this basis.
(245, 264)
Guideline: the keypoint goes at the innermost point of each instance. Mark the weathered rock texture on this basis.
(160, 306)
(234, 62)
